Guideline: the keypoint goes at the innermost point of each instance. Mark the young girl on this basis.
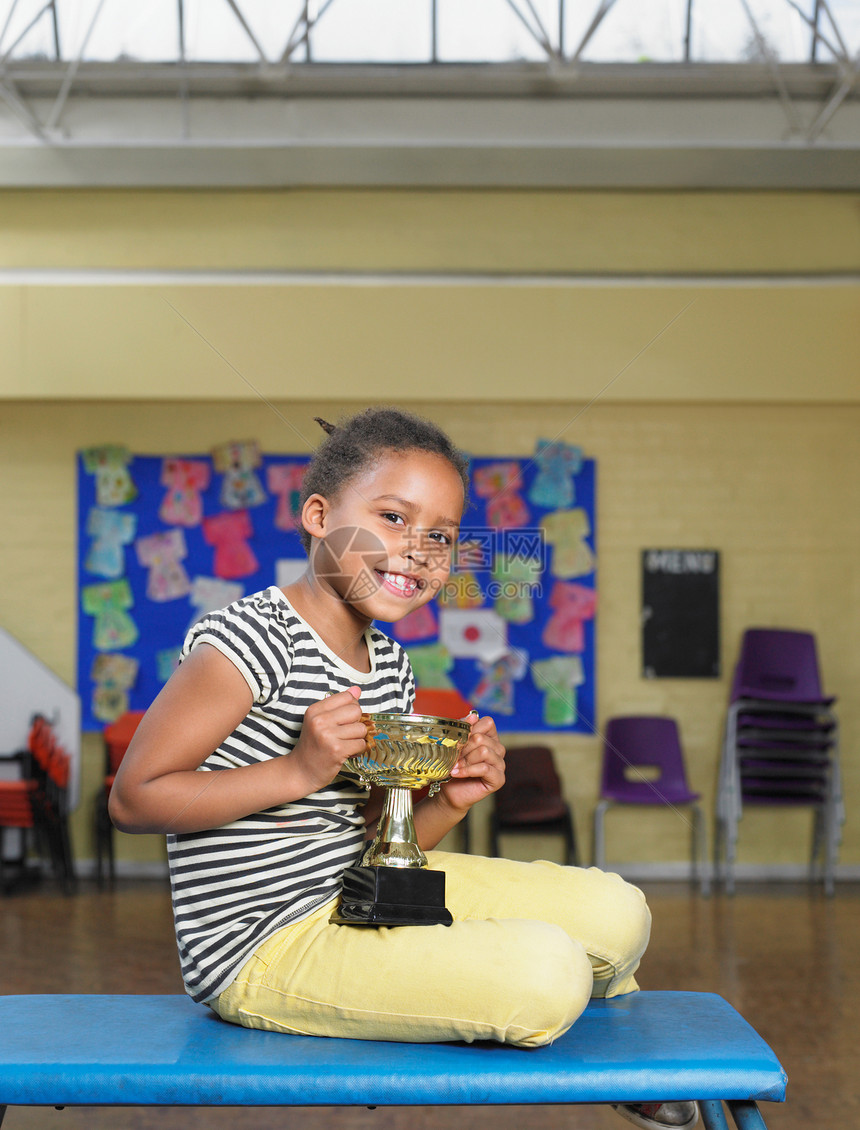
(240, 761)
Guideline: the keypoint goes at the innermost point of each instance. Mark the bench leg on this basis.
(746, 1114)
(713, 1117)
(2, 1113)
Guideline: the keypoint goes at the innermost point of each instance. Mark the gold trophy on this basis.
(392, 885)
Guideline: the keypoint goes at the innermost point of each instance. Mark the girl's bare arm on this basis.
(158, 788)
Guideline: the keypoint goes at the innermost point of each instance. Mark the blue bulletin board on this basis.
(162, 541)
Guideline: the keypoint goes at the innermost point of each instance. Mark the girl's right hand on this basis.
(332, 731)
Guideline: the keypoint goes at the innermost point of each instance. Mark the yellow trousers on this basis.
(530, 944)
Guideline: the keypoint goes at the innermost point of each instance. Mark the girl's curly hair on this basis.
(357, 443)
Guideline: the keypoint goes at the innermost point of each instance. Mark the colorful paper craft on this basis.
(241, 486)
(461, 590)
(113, 628)
(431, 663)
(209, 593)
(495, 688)
(474, 552)
(289, 569)
(417, 625)
(557, 462)
(109, 464)
(162, 553)
(229, 532)
(478, 633)
(284, 480)
(185, 480)
(515, 581)
(111, 531)
(567, 531)
(558, 677)
(572, 605)
(114, 676)
(166, 662)
(500, 483)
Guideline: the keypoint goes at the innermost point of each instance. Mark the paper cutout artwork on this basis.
(567, 531)
(289, 569)
(209, 593)
(557, 462)
(111, 531)
(461, 590)
(516, 579)
(284, 480)
(430, 665)
(166, 662)
(495, 688)
(114, 676)
(500, 483)
(229, 532)
(417, 625)
(109, 464)
(572, 605)
(162, 553)
(474, 552)
(238, 462)
(558, 677)
(478, 633)
(113, 628)
(185, 479)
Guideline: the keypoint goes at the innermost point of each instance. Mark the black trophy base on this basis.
(392, 896)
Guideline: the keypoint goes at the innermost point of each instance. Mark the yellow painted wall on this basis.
(774, 488)
(732, 426)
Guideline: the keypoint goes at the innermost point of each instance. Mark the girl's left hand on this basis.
(480, 768)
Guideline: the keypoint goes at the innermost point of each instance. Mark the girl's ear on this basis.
(314, 514)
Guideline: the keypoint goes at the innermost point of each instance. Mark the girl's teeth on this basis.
(405, 584)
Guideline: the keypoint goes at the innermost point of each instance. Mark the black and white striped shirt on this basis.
(233, 887)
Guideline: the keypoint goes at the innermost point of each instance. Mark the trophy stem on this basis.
(395, 843)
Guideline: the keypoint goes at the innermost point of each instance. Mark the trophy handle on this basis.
(395, 842)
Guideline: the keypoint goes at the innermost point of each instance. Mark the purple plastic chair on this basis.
(778, 665)
(634, 747)
(780, 746)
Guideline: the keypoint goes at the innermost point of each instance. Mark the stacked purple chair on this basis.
(781, 747)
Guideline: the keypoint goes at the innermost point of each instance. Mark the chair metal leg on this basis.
(598, 852)
(699, 851)
(465, 841)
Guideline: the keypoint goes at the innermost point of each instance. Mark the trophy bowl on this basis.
(409, 750)
(391, 883)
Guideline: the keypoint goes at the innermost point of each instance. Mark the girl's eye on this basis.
(438, 536)
(395, 519)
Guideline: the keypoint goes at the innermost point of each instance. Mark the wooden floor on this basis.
(786, 957)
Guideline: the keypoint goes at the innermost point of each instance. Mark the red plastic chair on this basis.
(444, 702)
(441, 702)
(117, 737)
(19, 812)
(643, 764)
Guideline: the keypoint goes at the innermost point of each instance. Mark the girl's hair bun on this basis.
(325, 425)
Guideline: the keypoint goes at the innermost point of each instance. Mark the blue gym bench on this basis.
(69, 1050)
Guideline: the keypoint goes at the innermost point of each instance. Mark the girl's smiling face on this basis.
(384, 543)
